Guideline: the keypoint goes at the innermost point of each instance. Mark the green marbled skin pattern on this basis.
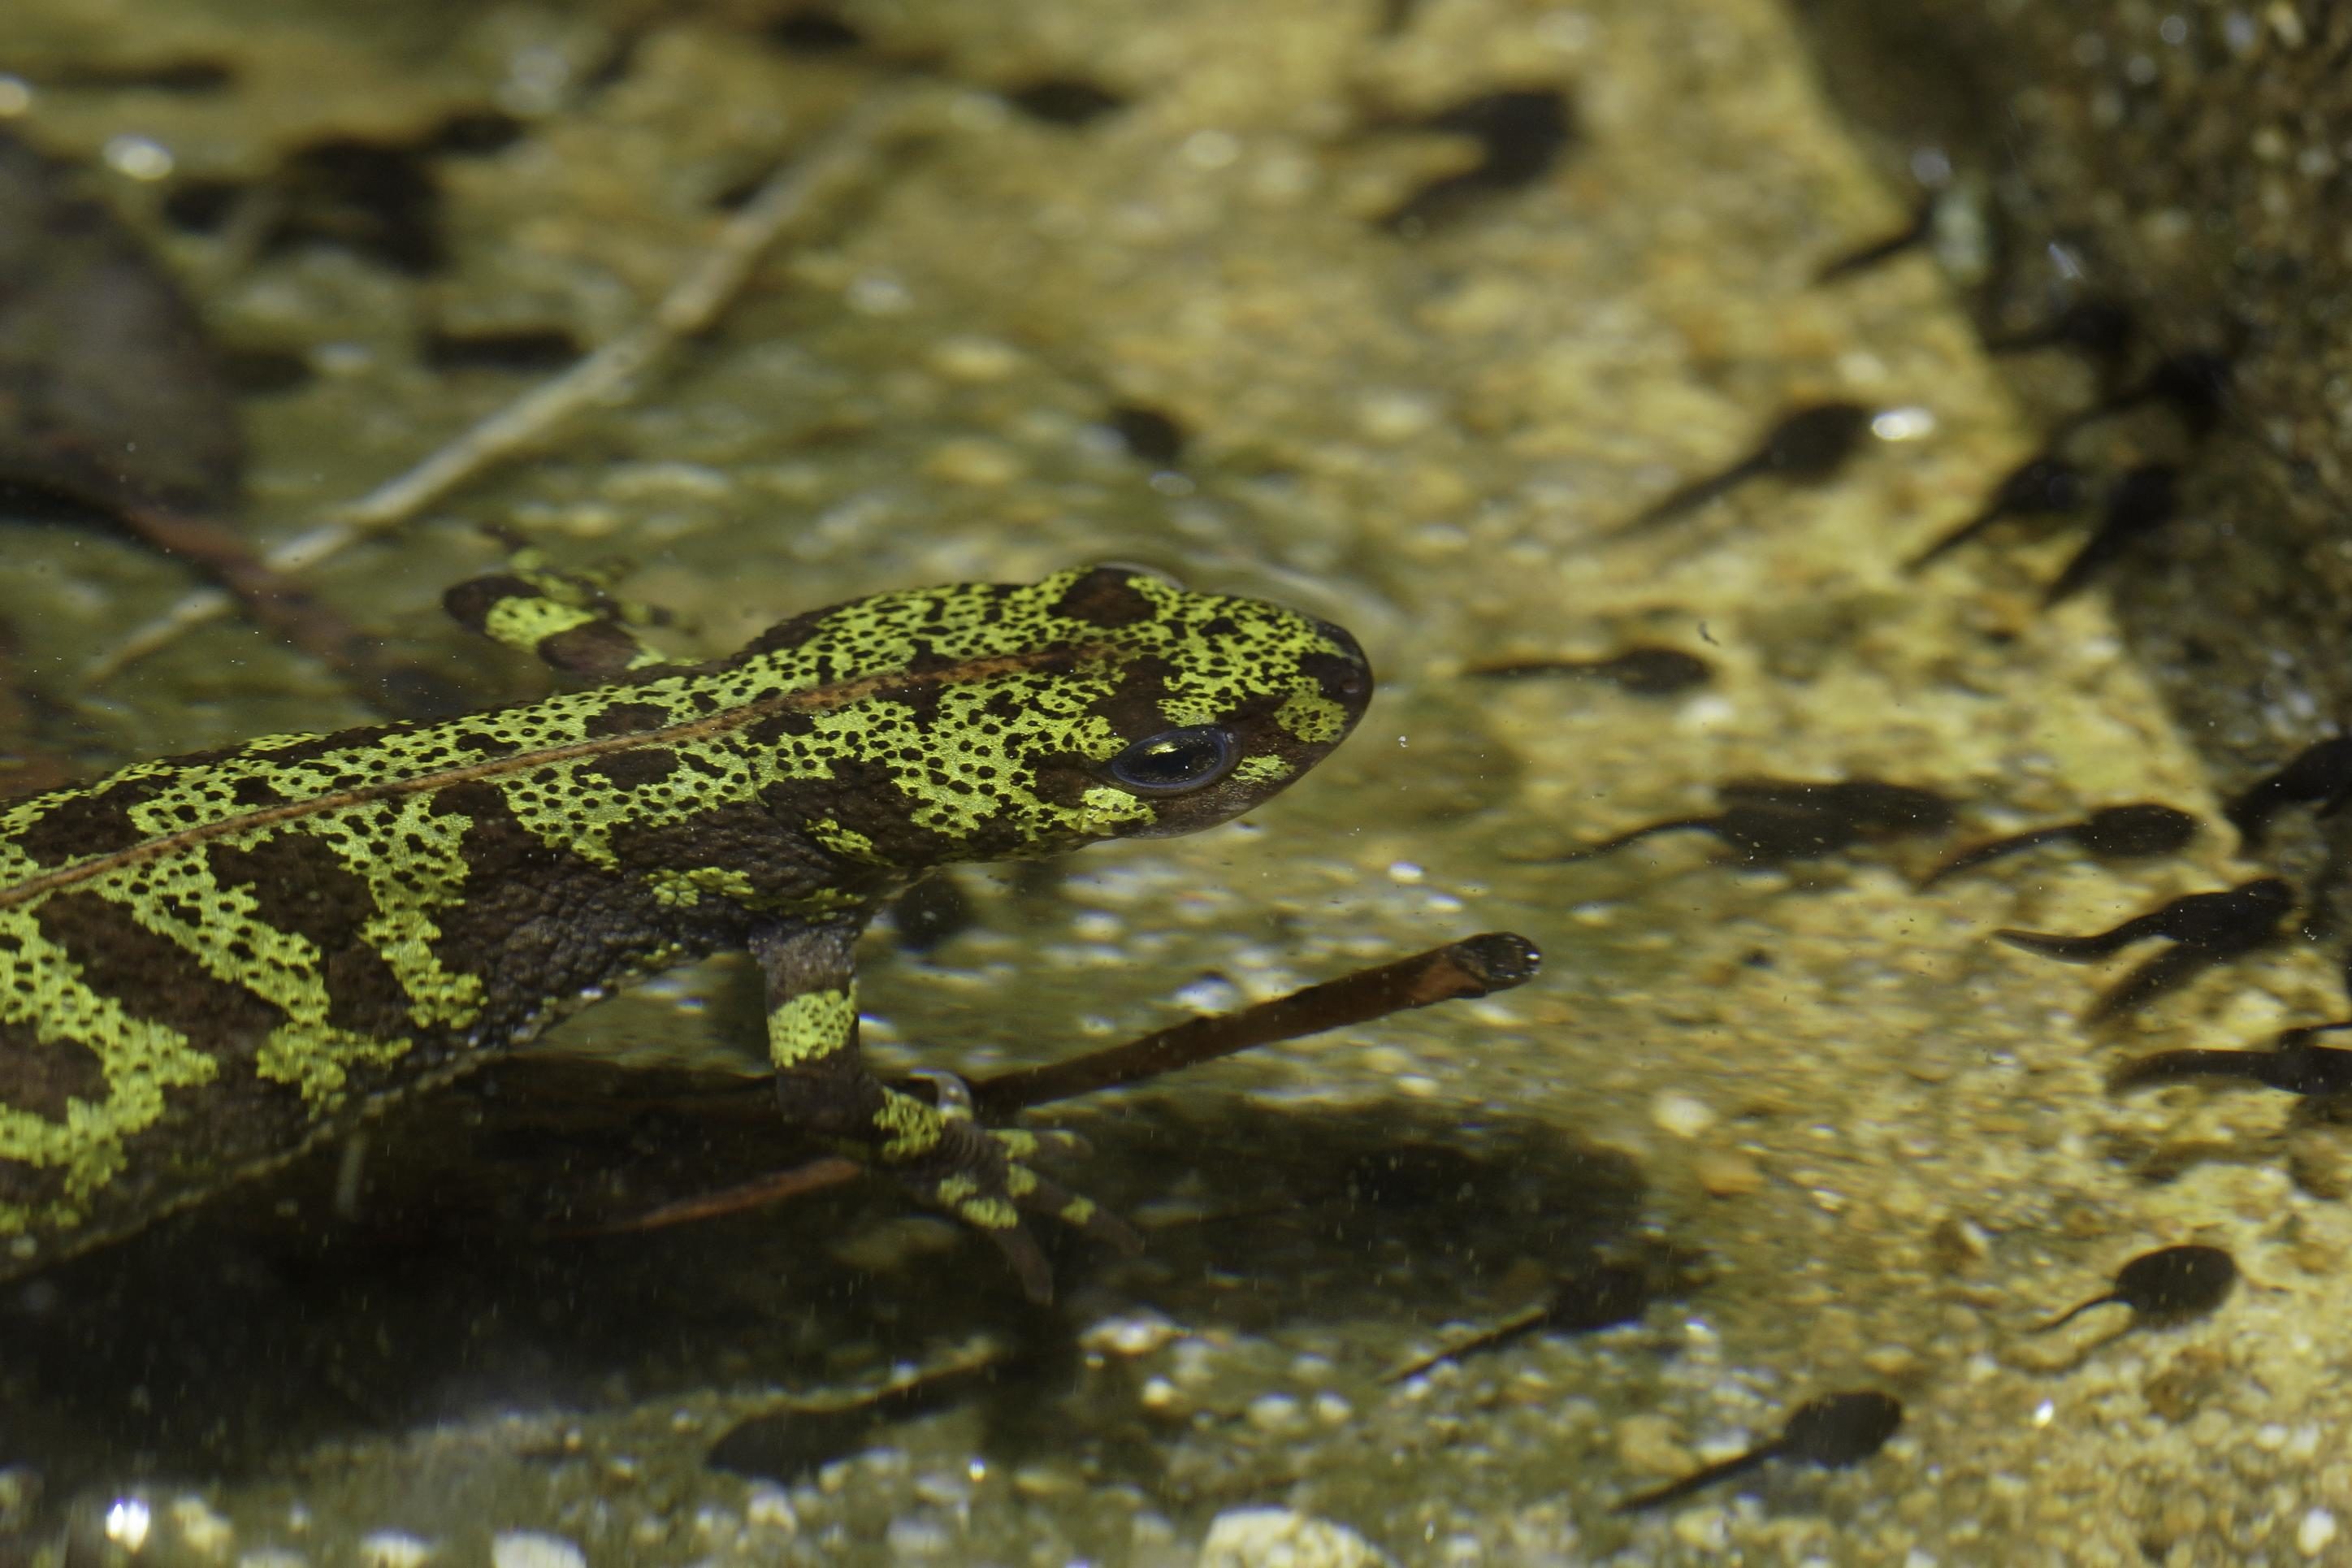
(208, 963)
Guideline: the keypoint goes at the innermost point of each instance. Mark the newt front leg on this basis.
(938, 1152)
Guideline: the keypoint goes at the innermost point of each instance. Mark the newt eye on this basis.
(1175, 760)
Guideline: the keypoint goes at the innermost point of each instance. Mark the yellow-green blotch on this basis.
(1312, 718)
(809, 1025)
(687, 888)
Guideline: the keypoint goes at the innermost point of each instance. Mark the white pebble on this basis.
(128, 1521)
(533, 1549)
(975, 358)
(666, 481)
(1210, 150)
(1274, 1412)
(879, 294)
(138, 158)
(1098, 925)
(207, 1533)
(1684, 1115)
(1138, 1334)
(1706, 1529)
(908, 1538)
(1283, 1538)
(769, 1507)
(1392, 416)
(393, 1548)
(2317, 1530)
(1209, 994)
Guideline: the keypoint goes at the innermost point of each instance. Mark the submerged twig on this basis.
(1474, 966)
(690, 307)
(773, 1188)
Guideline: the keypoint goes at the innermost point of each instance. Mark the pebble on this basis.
(1129, 1336)
(1891, 1361)
(1209, 994)
(1393, 416)
(2317, 1532)
(912, 1538)
(393, 1548)
(666, 481)
(203, 1532)
(1041, 1481)
(892, 1246)
(1284, 1537)
(1684, 1115)
(976, 461)
(974, 359)
(533, 1549)
(1705, 1529)
(1646, 1445)
(1275, 1413)
(1727, 1172)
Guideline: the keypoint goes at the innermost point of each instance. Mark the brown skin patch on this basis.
(153, 977)
(593, 648)
(470, 603)
(922, 698)
(1105, 597)
(1063, 780)
(625, 718)
(22, 1185)
(299, 884)
(364, 995)
(1344, 681)
(780, 866)
(1132, 707)
(317, 746)
(631, 770)
(864, 798)
(483, 743)
(545, 911)
(95, 824)
(40, 1075)
(784, 635)
(774, 729)
(254, 793)
(162, 1166)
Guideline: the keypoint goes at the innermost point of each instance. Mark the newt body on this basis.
(209, 963)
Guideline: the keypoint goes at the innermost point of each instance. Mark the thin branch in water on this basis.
(787, 195)
(777, 1186)
(1474, 966)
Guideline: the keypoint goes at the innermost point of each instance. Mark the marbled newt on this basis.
(209, 963)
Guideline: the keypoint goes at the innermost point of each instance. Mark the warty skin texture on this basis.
(208, 963)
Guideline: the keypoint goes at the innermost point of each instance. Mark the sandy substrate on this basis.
(1858, 1145)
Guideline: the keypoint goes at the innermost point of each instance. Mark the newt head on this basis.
(988, 722)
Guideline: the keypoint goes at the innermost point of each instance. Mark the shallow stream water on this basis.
(1199, 285)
